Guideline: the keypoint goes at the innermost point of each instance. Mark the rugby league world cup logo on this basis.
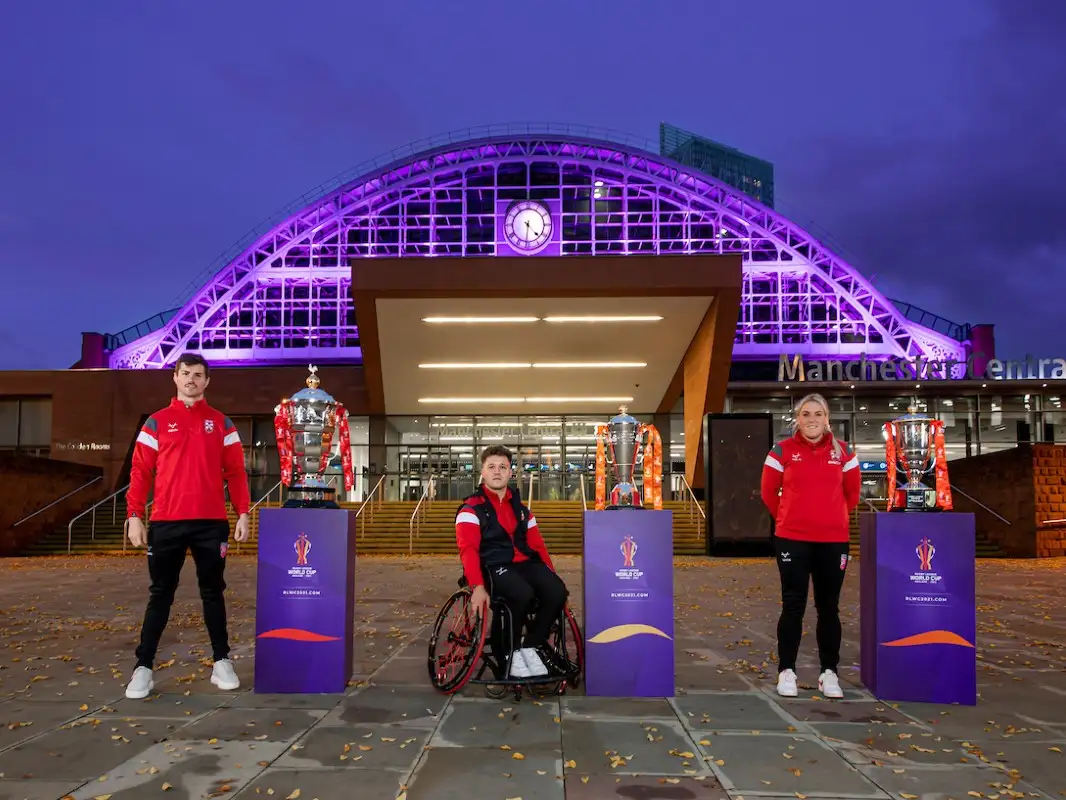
(629, 550)
(925, 552)
(302, 548)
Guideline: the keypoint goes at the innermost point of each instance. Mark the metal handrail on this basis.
(529, 495)
(113, 498)
(263, 499)
(420, 509)
(584, 495)
(1053, 521)
(58, 500)
(370, 497)
(975, 501)
(690, 500)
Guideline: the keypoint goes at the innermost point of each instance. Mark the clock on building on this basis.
(528, 226)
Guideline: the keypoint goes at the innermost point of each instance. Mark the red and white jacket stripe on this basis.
(193, 453)
(810, 491)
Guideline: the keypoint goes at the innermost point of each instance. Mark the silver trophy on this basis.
(915, 445)
(625, 452)
(304, 426)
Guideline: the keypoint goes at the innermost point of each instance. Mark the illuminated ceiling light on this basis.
(477, 365)
(606, 318)
(590, 364)
(476, 320)
(579, 399)
(485, 400)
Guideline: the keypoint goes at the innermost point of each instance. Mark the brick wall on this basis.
(104, 408)
(31, 484)
(1003, 481)
(1049, 479)
(1027, 486)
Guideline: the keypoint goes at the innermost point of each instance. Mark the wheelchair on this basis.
(467, 651)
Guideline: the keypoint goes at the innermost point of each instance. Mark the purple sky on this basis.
(928, 139)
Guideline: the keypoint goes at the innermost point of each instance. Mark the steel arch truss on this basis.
(288, 296)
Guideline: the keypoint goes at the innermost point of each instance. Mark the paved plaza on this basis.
(70, 625)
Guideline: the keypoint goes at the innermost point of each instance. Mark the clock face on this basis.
(528, 226)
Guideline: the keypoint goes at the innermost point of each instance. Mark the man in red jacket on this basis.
(500, 544)
(193, 452)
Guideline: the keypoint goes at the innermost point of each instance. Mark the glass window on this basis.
(35, 423)
(1004, 420)
(9, 423)
(780, 407)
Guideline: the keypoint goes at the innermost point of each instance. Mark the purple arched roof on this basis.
(286, 297)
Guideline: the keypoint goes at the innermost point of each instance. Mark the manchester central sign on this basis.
(797, 368)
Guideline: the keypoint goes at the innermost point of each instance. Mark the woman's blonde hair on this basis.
(814, 397)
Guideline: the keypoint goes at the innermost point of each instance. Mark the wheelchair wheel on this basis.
(575, 650)
(461, 643)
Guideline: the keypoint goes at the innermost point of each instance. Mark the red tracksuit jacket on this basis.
(194, 452)
(468, 537)
(817, 491)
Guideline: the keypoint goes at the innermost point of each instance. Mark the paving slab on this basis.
(487, 723)
(932, 783)
(84, 749)
(645, 787)
(407, 705)
(742, 711)
(253, 724)
(67, 729)
(450, 773)
(325, 784)
(360, 746)
(617, 747)
(783, 764)
(183, 769)
(36, 790)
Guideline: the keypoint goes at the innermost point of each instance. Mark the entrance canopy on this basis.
(580, 335)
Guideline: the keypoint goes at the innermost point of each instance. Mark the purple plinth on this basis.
(918, 625)
(629, 603)
(305, 600)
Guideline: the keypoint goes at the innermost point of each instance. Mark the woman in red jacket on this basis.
(810, 483)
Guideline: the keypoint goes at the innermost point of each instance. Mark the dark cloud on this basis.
(966, 217)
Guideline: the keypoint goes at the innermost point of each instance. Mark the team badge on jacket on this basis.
(209, 426)
(223, 549)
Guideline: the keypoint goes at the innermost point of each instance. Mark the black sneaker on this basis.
(557, 665)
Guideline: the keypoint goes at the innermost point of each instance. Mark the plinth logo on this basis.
(302, 548)
(925, 575)
(302, 569)
(628, 571)
(925, 551)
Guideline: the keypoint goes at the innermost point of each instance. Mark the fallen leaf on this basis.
(294, 796)
(517, 756)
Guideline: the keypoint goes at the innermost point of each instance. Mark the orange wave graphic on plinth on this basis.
(619, 632)
(296, 635)
(929, 637)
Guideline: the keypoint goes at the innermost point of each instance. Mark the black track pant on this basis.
(517, 585)
(167, 544)
(801, 564)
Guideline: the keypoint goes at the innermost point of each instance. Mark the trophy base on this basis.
(917, 499)
(311, 497)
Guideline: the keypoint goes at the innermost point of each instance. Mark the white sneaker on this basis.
(224, 676)
(786, 684)
(141, 684)
(829, 685)
(533, 663)
(518, 669)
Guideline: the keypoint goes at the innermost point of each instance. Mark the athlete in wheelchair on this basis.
(507, 570)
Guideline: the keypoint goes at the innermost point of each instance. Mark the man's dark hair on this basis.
(496, 450)
(192, 360)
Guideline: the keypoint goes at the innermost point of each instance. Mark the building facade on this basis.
(284, 299)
